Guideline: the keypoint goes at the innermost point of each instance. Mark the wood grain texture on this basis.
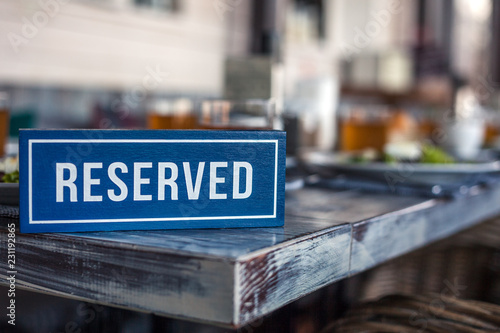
(233, 276)
(385, 237)
(347, 206)
(161, 282)
(269, 280)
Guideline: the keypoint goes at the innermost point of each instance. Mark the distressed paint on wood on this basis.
(385, 237)
(231, 243)
(164, 283)
(270, 280)
(233, 276)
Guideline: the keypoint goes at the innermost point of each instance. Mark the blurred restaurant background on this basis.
(336, 75)
(334, 69)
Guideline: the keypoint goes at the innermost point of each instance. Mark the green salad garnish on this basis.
(390, 159)
(433, 154)
(12, 177)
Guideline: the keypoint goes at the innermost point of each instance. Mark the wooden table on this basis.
(231, 277)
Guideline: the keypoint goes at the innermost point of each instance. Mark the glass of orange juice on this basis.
(172, 114)
(4, 121)
(251, 114)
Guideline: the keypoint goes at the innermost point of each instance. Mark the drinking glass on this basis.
(251, 114)
(172, 114)
(364, 127)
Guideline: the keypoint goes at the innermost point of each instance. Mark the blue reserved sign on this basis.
(91, 180)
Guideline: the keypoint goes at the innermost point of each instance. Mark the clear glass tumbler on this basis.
(251, 114)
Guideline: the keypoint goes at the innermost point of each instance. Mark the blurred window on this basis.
(161, 5)
(313, 13)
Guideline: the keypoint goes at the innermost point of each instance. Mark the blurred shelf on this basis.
(386, 96)
(414, 95)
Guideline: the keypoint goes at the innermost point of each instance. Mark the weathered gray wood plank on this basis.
(233, 276)
(273, 279)
(230, 243)
(384, 237)
(164, 283)
(347, 206)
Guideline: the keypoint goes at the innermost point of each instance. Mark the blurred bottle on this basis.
(4, 121)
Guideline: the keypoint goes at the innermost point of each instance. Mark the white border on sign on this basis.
(31, 141)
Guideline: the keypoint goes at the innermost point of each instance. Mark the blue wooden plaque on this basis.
(91, 180)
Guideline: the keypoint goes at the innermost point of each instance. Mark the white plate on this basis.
(413, 172)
